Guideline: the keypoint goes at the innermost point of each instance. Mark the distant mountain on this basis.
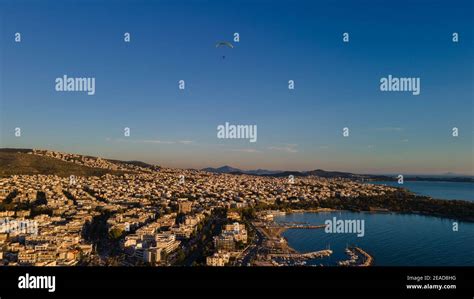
(280, 173)
(337, 174)
(286, 174)
(263, 172)
(332, 174)
(223, 169)
(233, 170)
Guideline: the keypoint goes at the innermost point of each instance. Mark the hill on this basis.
(223, 169)
(15, 162)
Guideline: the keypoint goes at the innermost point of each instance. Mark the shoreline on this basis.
(375, 211)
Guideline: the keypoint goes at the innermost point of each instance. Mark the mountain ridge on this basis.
(335, 174)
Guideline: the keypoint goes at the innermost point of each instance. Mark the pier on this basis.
(295, 225)
(358, 258)
(274, 230)
(307, 255)
(368, 259)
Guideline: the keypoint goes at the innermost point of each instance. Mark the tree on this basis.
(180, 218)
(115, 233)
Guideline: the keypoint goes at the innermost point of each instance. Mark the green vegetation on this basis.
(180, 218)
(180, 256)
(406, 202)
(401, 201)
(97, 233)
(202, 245)
(115, 233)
(95, 230)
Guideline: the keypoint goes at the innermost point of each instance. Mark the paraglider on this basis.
(224, 44)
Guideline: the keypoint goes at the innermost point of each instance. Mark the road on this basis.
(251, 250)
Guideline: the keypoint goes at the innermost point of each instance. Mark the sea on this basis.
(393, 239)
(438, 189)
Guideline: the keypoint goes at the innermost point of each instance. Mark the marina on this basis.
(391, 239)
(276, 251)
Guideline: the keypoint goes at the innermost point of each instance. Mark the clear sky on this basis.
(336, 83)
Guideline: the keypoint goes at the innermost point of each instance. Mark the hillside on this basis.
(13, 162)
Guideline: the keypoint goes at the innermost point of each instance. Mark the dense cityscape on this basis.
(142, 214)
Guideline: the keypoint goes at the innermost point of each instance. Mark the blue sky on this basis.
(337, 84)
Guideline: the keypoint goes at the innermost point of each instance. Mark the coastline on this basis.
(376, 211)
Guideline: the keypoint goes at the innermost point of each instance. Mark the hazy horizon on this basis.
(445, 174)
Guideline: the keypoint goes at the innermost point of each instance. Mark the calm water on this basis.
(392, 239)
(438, 190)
